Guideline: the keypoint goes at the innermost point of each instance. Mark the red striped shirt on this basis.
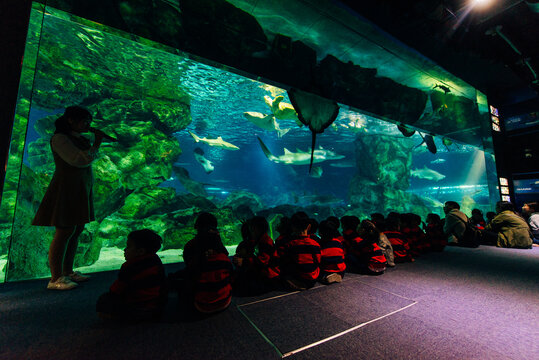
(333, 256)
(301, 257)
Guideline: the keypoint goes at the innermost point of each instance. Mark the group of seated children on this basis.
(304, 252)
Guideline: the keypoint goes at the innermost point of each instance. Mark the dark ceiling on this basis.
(494, 48)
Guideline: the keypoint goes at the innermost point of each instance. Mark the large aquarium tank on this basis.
(197, 136)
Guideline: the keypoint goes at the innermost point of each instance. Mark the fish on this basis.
(264, 121)
(432, 203)
(429, 141)
(427, 174)
(438, 161)
(316, 172)
(405, 130)
(343, 164)
(444, 88)
(314, 111)
(192, 186)
(280, 109)
(447, 142)
(219, 142)
(320, 200)
(206, 164)
(300, 157)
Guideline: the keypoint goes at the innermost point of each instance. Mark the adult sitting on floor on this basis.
(531, 211)
(513, 231)
(455, 222)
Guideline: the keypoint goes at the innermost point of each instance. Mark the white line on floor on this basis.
(344, 332)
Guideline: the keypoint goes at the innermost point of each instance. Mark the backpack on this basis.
(472, 235)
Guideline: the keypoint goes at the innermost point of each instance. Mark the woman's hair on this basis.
(72, 112)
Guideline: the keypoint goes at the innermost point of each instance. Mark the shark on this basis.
(264, 121)
(206, 164)
(427, 174)
(300, 157)
(219, 142)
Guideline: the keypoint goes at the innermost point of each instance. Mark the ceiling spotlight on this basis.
(481, 3)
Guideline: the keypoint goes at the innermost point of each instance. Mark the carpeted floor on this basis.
(460, 304)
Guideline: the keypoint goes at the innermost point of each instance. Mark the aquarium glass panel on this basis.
(195, 136)
(20, 123)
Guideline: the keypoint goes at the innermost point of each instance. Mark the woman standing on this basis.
(68, 203)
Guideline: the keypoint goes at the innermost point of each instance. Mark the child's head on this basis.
(258, 226)
(142, 242)
(349, 223)
(300, 223)
(335, 220)
(477, 214)
(205, 222)
(369, 232)
(314, 226)
(284, 228)
(327, 230)
(433, 218)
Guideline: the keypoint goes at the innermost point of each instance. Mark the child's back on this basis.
(140, 292)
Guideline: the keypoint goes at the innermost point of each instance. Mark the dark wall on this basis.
(14, 18)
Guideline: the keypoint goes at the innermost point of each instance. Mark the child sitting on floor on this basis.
(139, 293)
(256, 270)
(206, 286)
(300, 256)
(332, 265)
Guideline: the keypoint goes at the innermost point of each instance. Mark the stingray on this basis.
(429, 141)
(315, 112)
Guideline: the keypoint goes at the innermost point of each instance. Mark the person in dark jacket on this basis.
(140, 291)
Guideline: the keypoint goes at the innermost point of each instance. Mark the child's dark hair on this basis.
(71, 112)
(369, 232)
(335, 220)
(260, 224)
(327, 229)
(284, 228)
(205, 221)
(505, 205)
(314, 226)
(349, 222)
(146, 239)
(299, 221)
(433, 218)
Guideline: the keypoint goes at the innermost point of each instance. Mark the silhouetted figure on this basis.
(300, 256)
(68, 202)
(140, 292)
(205, 286)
